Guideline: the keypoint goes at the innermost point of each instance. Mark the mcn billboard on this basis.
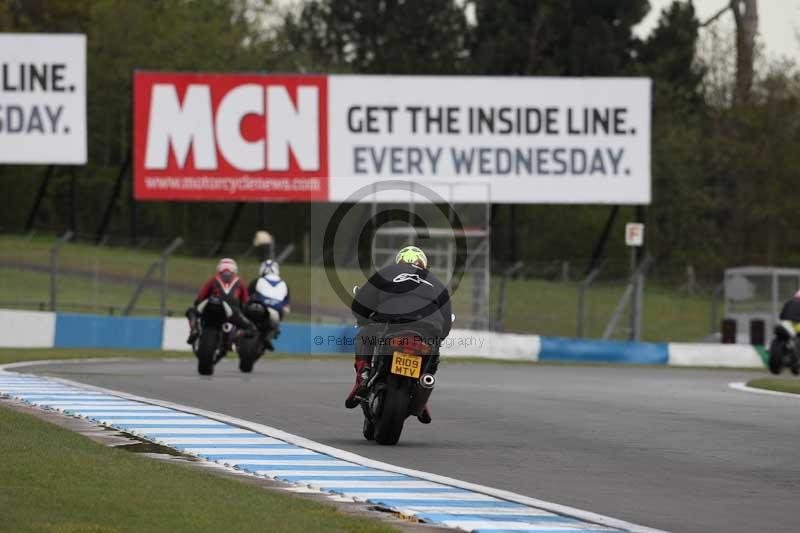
(257, 137)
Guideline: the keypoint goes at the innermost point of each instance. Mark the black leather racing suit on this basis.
(791, 311)
(405, 296)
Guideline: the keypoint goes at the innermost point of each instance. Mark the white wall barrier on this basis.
(176, 331)
(726, 355)
(27, 329)
(491, 345)
(35, 329)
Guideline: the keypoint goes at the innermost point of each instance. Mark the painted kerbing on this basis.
(275, 454)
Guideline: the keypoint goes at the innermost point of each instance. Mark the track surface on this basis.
(671, 449)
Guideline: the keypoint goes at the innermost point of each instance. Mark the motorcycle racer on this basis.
(406, 294)
(791, 309)
(228, 287)
(273, 293)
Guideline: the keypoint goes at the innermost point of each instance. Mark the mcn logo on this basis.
(230, 137)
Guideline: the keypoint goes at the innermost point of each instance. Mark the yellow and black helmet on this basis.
(412, 255)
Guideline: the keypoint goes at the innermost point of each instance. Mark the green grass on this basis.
(54, 480)
(532, 305)
(13, 355)
(776, 384)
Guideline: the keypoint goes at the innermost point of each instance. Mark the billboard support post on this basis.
(48, 173)
(597, 254)
(54, 266)
(226, 233)
(112, 200)
(514, 234)
(134, 217)
(73, 202)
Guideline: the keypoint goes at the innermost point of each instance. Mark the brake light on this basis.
(410, 344)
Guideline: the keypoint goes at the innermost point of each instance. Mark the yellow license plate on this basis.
(404, 364)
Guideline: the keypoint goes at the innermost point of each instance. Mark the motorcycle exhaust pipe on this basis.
(422, 393)
(227, 327)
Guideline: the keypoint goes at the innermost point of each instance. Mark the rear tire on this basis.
(394, 412)
(206, 347)
(368, 430)
(776, 349)
(249, 349)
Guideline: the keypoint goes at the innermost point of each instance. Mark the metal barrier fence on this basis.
(556, 298)
(550, 298)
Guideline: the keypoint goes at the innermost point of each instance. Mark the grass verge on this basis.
(55, 480)
(13, 355)
(776, 384)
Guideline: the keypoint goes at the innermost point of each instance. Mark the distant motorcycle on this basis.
(214, 334)
(251, 348)
(783, 350)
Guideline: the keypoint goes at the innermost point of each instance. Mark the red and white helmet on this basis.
(227, 269)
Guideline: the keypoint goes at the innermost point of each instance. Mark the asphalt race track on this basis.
(667, 448)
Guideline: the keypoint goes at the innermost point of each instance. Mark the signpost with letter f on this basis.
(634, 238)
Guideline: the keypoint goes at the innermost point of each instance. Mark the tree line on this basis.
(725, 146)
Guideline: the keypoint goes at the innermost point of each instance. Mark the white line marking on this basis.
(215, 440)
(163, 424)
(298, 462)
(741, 386)
(354, 458)
(250, 451)
(322, 474)
(388, 485)
(84, 405)
(123, 409)
(494, 511)
(473, 525)
(458, 496)
(146, 415)
(178, 431)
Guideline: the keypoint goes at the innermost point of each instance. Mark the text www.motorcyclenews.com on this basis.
(232, 184)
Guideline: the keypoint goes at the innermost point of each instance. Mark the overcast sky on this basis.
(778, 23)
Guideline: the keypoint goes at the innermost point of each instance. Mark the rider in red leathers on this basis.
(230, 289)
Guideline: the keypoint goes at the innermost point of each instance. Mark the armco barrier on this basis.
(28, 329)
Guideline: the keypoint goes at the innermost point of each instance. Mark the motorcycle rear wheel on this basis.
(207, 346)
(776, 349)
(250, 349)
(389, 425)
(368, 430)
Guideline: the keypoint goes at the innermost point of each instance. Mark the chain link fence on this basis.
(540, 297)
